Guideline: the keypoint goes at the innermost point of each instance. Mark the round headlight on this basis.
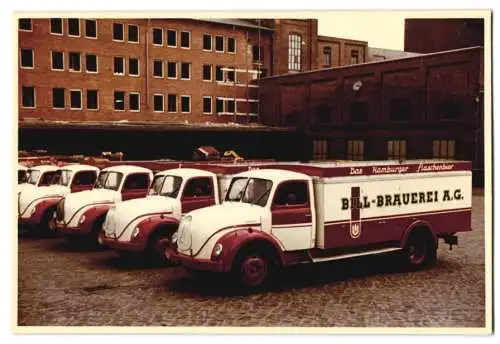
(135, 232)
(217, 249)
(82, 219)
(174, 237)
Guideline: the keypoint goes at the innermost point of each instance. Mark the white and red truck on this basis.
(82, 213)
(36, 205)
(41, 175)
(145, 225)
(310, 213)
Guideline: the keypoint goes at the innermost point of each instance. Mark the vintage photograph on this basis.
(253, 172)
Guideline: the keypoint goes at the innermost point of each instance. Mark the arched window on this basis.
(294, 52)
(327, 56)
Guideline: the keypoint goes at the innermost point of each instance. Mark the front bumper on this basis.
(61, 228)
(193, 263)
(120, 245)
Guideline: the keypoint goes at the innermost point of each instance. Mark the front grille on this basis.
(60, 210)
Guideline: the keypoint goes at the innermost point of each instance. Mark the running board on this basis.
(358, 254)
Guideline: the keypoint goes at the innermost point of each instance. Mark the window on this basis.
(171, 38)
(118, 32)
(136, 181)
(25, 24)
(327, 56)
(219, 74)
(231, 108)
(257, 53)
(358, 111)
(28, 97)
(231, 45)
(58, 98)
(185, 104)
(198, 187)
(443, 149)
(292, 193)
(396, 150)
(57, 60)
(133, 66)
(75, 97)
(92, 100)
(27, 58)
(91, 63)
(354, 57)
(56, 26)
(449, 107)
(74, 27)
(134, 101)
(294, 52)
(172, 103)
(185, 70)
(158, 68)
(219, 105)
(119, 101)
(133, 33)
(172, 70)
(207, 42)
(158, 102)
(400, 109)
(219, 43)
(118, 65)
(231, 75)
(320, 149)
(157, 37)
(90, 28)
(207, 104)
(355, 150)
(207, 72)
(74, 62)
(85, 178)
(185, 39)
(254, 107)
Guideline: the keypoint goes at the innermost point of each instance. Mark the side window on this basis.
(136, 181)
(85, 178)
(292, 193)
(198, 187)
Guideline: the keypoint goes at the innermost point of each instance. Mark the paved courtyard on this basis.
(63, 284)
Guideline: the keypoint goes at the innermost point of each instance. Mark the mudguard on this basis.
(41, 208)
(149, 225)
(91, 215)
(412, 226)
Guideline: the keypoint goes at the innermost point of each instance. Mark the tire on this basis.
(155, 250)
(253, 269)
(44, 228)
(420, 250)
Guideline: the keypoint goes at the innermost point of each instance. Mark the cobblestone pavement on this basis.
(63, 284)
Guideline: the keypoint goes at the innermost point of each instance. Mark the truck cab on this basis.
(82, 213)
(22, 174)
(36, 205)
(146, 225)
(41, 175)
(310, 213)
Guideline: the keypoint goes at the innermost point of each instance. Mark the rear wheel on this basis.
(420, 250)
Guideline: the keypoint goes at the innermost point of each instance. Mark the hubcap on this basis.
(254, 270)
(417, 251)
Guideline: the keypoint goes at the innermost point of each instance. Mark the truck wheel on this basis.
(253, 269)
(155, 250)
(420, 250)
(45, 228)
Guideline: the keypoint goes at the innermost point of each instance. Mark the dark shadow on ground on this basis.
(300, 276)
(130, 263)
(77, 245)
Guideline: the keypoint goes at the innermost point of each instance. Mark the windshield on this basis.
(64, 177)
(156, 185)
(108, 180)
(34, 175)
(22, 177)
(250, 190)
(48, 178)
(171, 186)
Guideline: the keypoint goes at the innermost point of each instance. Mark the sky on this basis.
(379, 29)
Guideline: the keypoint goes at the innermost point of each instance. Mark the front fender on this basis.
(91, 215)
(42, 205)
(412, 226)
(233, 241)
(149, 225)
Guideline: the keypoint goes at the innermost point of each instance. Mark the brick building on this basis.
(428, 106)
(336, 52)
(431, 35)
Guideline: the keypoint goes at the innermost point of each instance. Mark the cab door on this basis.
(292, 221)
(135, 186)
(83, 180)
(198, 193)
